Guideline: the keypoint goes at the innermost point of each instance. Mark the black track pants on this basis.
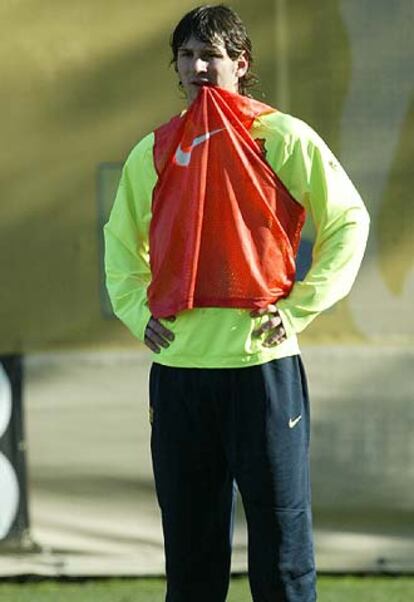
(214, 427)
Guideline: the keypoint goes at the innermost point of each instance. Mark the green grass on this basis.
(331, 589)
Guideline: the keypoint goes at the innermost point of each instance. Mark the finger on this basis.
(148, 342)
(155, 337)
(157, 327)
(270, 324)
(275, 338)
(269, 309)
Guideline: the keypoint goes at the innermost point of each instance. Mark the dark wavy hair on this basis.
(207, 23)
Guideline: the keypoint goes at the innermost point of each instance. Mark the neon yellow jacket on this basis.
(222, 337)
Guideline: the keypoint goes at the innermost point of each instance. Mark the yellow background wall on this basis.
(82, 81)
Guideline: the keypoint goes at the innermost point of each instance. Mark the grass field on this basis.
(331, 589)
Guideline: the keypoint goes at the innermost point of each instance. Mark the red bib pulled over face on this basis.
(224, 229)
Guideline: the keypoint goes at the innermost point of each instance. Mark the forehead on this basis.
(193, 43)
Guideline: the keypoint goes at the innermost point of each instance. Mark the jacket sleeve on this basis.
(127, 265)
(341, 223)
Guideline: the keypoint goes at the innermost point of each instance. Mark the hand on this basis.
(156, 335)
(276, 333)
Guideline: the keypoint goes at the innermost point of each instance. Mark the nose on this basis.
(199, 66)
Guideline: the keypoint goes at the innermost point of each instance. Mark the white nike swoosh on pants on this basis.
(293, 421)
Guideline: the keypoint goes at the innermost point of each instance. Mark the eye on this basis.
(213, 54)
(184, 52)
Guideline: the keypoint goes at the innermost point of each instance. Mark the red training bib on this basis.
(224, 229)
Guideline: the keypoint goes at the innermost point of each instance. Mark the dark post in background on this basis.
(14, 518)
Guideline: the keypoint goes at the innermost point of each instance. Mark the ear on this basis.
(242, 65)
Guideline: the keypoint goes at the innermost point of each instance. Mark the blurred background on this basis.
(82, 82)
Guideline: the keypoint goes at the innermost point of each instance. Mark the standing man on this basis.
(200, 249)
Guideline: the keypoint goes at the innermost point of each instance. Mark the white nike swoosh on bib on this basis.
(183, 158)
(293, 421)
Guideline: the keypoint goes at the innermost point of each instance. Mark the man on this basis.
(200, 252)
